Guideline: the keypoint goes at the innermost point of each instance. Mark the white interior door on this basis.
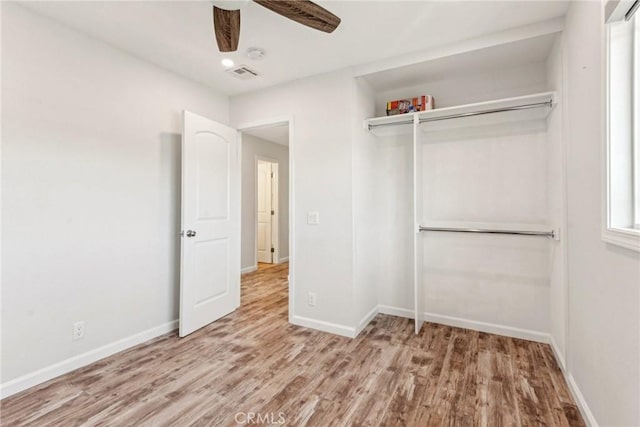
(264, 212)
(210, 248)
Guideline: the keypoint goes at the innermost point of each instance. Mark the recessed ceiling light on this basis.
(227, 62)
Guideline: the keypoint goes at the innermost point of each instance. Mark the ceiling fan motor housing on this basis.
(230, 4)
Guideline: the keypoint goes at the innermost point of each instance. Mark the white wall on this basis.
(490, 179)
(321, 146)
(368, 249)
(604, 280)
(556, 206)
(394, 194)
(90, 191)
(251, 147)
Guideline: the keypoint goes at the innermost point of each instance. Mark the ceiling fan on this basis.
(226, 18)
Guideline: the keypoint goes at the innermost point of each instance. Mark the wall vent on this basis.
(242, 72)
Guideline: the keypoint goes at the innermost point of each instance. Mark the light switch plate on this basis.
(313, 218)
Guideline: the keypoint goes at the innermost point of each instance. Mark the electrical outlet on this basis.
(78, 330)
(311, 299)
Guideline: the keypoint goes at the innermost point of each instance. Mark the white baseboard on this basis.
(491, 328)
(249, 269)
(589, 419)
(43, 375)
(475, 325)
(366, 319)
(587, 415)
(396, 311)
(558, 354)
(332, 328)
(283, 259)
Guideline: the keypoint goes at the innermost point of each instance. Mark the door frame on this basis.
(275, 200)
(275, 121)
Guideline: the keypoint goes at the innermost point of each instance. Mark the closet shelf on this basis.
(534, 107)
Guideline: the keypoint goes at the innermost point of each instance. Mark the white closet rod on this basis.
(489, 231)
(548, 103)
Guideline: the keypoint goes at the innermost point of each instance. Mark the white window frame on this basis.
(627, 234)
(636, 125)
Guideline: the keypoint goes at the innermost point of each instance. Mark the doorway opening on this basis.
(219, 221)
(265, 197)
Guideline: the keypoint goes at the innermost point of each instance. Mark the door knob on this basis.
(191, 233)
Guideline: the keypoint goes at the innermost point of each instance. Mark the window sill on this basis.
(626, 237)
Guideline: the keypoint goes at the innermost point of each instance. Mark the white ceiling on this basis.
(178, 35)
(278, 134)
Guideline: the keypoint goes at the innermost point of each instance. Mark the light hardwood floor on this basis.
(265, 266)
(254, 361)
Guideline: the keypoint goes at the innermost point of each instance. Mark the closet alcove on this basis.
(460, 210)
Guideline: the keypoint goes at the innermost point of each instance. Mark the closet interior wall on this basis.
(383, 213)
(367, 239)
(389, 217)
(495, 176)
(557, 215)
(486, 178)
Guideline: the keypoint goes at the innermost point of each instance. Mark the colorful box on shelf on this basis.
(402, 106)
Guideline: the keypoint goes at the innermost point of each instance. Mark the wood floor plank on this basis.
(502, 387)
(485, 404)
(254, 361)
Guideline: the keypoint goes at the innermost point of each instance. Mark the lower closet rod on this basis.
(480, 230)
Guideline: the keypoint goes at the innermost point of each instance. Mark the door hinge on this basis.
(271, 174)
(273, 212)
(273, 250)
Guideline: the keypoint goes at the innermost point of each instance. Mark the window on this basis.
(622, 189)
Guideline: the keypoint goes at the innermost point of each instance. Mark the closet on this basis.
(469, 196)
